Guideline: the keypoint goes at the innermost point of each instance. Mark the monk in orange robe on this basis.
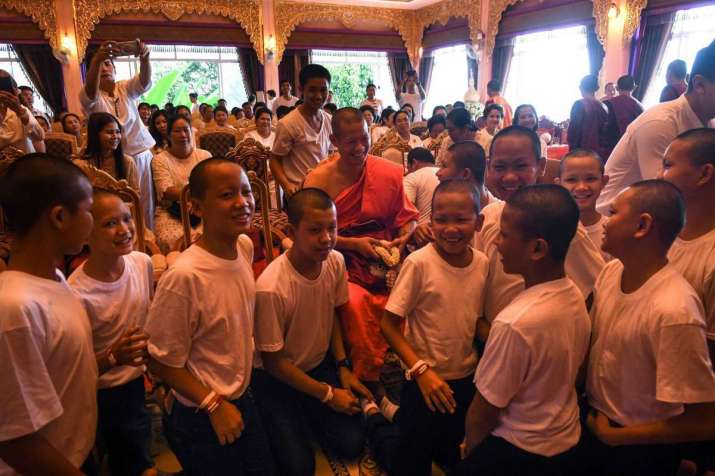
(372, 207)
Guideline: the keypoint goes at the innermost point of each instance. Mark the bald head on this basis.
(470, 155)
(344, 117)
(664, 203)
(700, 145)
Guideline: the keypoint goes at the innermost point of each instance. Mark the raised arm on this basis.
(91, 85)
(144, 66)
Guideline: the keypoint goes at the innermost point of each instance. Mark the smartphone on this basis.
(125, 48)
(7, 85)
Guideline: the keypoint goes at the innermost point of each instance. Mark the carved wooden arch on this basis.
(247, 13)
(443, 11)
(289, 15)
(42, 13)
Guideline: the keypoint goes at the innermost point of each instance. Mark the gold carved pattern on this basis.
(443, 11)
(290, 14)
(247, 13)
(600, 13)
(42, 13)
(496, 10)
(633, 18)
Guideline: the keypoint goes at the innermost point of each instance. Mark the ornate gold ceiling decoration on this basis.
(443, 11)
(42, 13)
(600, 14)
(496, 10)
(246, 13)
(290, 14)
(633, 18)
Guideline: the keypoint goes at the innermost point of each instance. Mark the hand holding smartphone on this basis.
(123, 48)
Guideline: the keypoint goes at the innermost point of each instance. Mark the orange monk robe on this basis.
(374, 206)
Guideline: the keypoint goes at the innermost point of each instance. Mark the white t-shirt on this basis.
(595, 234)
(648, 354)
(295, 313)
(415, 141)
(639, 153)
(414, 100)
(441, 304)
(583, 263)
(264, 141)
(419, 188)
(300, 146)
(529, 368)
(281, 101)
(170, 171)
(135, 136)
(202, 318)
(47, 366)
(695, 260)
(376, 104)
(16, 134)
(114, 307)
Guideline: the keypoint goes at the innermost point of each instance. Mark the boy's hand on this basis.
(344, 402)
(350, 382)
(227, 423)
(365, 246)
(131, 348)
(436, 392)
(599, 425)
(422, 235)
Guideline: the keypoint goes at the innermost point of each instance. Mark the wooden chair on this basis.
(218, 141)
(61, 145)
(101, 180)
(551, 171)
(393, 148)
(419, 128)
(254, 156)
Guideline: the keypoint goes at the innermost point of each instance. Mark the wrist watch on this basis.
(344, 363)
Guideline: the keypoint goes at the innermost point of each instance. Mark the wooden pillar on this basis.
(270, 66)
(615, 63)
(67, 41)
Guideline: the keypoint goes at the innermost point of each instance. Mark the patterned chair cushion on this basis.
(218, 143)
(59, 148)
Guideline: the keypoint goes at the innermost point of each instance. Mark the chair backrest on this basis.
(101, 180)
(551, 171)
(218, 141)
(393, 148)
(61, 145)
(419, 128)
(253, 157)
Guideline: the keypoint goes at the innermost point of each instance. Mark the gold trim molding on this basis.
(247, 13)
(496, 10)
(600, 14)
(42, 13)
(633, 18)
(443, 11)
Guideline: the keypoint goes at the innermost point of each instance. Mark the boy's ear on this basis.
(290, 231)
(58, 216)
(195, 207)
(480, 223)
(707, 174)
(645, 225)
(539, 249)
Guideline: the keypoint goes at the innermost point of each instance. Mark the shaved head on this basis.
(305, 199)
(345, 116)
(664, 203)
(700, 144)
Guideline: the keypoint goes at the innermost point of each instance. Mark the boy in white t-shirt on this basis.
(48, 370)
(524, 418)
(439, 296)
(581, 172)
(650, 380)
(115, 285)
(201, 332)
(412, 93)
(515, 162)
(307, 382)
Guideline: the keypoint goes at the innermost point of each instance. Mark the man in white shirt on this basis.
(286, 98)
(101, 93)
(194, 98)
(27, 98)
(421, 181)
(639, 153)
(18, 127)
(303, 136)
(524, 418)
(371, 100)
(412, 93)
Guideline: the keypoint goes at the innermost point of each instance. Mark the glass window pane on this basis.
(450, 77)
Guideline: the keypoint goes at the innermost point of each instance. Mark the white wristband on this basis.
(328, 395)
(415, 368)
(207, 400)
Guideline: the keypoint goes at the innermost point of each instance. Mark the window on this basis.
(693, 29)
(450, 77)
(546, 69)
(10, 63)
(177, 70)
(352, 71)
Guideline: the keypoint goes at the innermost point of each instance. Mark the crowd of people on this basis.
(541, 328)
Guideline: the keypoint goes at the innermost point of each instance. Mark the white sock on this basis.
(388, 409)
(368, 406)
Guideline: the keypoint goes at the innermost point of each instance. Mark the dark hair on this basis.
(170, 125)
(235, 110)
(34, 183)
(704, 65)
(386, 113)
(26, 88)
(251, 98)
(470, 155)
(283, 81)
(547, 211)
(701, 145)
(93, 153)
(493, 107)
(304, 199)
(220, 109)
(461, 118)
(678, 69)
(181, 107)
(420, 154)
(435, 120)
(262, 110)
(626, 83)
(459, 185)
(311, 71)
(169, 105)
(402, 111)
(246, 104)
(271, 92)
(368, 108)
(663, 201)
(343, 115)
(589, 83)
(330, 107)
(198, 183)
(459, 105)
(576, 153)
(282, 111)
(518, 111)
(64, 127)
(193, 95)
(370, 85)
(522, 132)
(258, 105)
(143, 104)
(434, 110)
(494, 85)
(158, 138)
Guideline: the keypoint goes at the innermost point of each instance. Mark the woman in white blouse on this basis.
(494, 115)
(402, 127)
(525, 116)
(263, 132)
(171, 169)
